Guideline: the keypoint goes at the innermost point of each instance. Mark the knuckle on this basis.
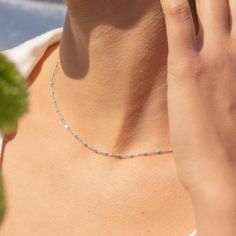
(181, 11)
(220, 58)
(190, 67)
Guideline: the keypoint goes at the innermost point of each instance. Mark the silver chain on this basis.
(83, 142)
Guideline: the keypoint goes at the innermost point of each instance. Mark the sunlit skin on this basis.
(128, 82)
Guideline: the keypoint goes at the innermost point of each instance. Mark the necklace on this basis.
(83, 142)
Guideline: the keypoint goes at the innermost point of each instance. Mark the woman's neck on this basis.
(113, 72)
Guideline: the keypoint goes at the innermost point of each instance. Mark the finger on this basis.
(180, 27)
(232, 15)
(213, 15)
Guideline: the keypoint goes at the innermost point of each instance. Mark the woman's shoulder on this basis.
(29, 56)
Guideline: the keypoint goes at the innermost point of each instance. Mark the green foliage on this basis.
(13, 103)
(13, 96)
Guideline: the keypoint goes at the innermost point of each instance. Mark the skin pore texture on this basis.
(120, 83)
(111, 87)
(113, 55)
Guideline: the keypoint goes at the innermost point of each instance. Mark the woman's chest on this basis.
(54, 191)
(54, 186)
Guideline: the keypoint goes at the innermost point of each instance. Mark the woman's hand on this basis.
(202, 108)
(202, 93)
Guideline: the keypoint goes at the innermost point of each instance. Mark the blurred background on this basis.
(21, 20)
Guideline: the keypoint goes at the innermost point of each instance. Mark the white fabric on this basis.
(27, 54)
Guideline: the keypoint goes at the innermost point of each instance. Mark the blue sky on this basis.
(21, 20)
